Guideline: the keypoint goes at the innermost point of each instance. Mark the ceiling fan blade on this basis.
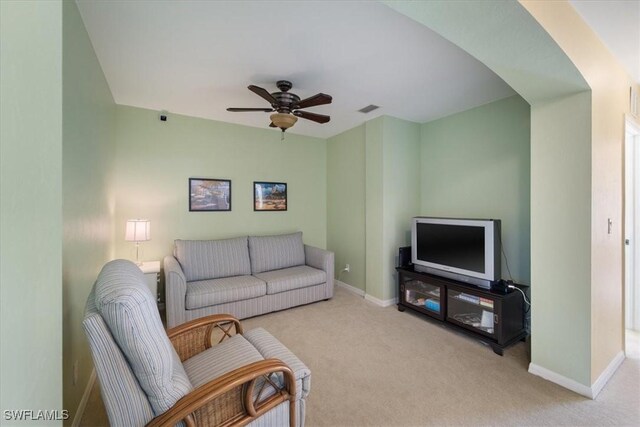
(239, 110)
(271, 125)
(318, 118)
(312, 101)
(263, 93)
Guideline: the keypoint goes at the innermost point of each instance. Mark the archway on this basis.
(555, 62)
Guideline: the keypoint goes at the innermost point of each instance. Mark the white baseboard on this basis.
(381, 302)
(85, 398)
(590, 392)
(606, 375)
(350, 288)
(360, 292)
(561, 380)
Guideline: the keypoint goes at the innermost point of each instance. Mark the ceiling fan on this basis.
(287, 105)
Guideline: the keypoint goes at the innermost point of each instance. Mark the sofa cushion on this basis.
(288, 279)
(129, 309)
(212, 259)
(205, 293)
(275, 252)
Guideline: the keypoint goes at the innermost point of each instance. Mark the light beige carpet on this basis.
(374, 366)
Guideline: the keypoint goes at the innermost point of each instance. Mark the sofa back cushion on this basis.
(213, 259)
(129, 309)
(276, 252)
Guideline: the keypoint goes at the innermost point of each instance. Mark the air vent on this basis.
(368, 108)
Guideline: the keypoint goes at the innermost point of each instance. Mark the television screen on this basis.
(452, 245)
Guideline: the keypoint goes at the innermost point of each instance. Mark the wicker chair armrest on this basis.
(229, 400)
(198, 335)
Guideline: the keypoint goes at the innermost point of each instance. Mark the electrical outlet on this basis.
(75, 372)
(347, 268)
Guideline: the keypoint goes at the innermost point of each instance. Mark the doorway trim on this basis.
(631, 314)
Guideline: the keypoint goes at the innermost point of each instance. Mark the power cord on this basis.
(348, 270)
(510, 285)
(523, 295)
(527, 325)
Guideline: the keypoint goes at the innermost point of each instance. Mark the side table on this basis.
(151, 270)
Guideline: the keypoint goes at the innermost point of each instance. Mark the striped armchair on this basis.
(205, 372)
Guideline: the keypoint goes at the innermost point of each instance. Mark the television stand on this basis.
(495, 318)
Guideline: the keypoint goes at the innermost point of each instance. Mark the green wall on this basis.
(561, 237)
(401, 188)
(31, 206)
(374, 219)
(476, 164)
(373, 180)
(88, 200)
(155, 160)
(346, 204)
(385, 172)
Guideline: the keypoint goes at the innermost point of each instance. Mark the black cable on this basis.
(506, 261)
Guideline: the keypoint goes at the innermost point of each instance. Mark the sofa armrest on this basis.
(175, 291)
(322, 260)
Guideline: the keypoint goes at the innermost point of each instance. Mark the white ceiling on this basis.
(617, 24)
(197, 58)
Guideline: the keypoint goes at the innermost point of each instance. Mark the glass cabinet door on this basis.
(422, 295)
(472, 312)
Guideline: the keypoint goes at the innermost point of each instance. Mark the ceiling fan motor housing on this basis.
(286, 101)
(284, 85)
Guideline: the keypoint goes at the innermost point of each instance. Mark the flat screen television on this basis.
(467, 250)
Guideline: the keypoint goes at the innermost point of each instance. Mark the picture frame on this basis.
(269, 196)
(209, 195)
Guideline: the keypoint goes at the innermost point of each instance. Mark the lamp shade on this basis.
(138, 230)
(283, 121)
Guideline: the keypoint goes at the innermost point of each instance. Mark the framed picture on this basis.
(269, 196)
(209, 195)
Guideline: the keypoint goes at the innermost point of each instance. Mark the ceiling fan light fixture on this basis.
(283, 120)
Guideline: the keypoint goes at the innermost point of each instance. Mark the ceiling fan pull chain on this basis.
(282, 135)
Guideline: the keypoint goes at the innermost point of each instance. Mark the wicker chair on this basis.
(206, 372)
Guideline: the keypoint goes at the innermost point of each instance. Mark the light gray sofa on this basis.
(244, 276)
(149, 376)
